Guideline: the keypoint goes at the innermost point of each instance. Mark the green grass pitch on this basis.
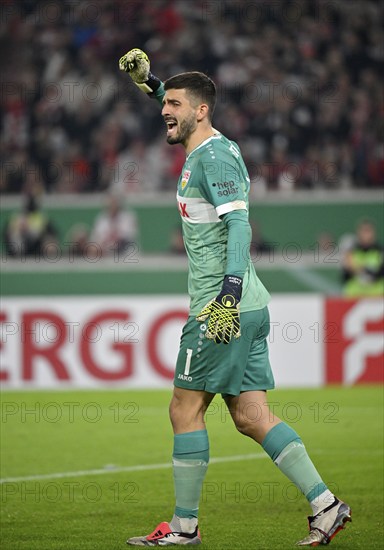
(85, 470)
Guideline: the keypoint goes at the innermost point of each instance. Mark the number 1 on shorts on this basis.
(188, 361)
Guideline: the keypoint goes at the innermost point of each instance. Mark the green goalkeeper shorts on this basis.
(229, 369)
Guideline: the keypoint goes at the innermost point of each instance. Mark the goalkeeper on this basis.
(223, 346)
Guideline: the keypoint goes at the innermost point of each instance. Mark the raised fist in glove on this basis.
(136, 64)
(223, 312)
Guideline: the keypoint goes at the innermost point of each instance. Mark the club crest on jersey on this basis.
(185, 178)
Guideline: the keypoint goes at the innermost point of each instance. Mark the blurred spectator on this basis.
(77, 240)
(115, 229)
(30, 232)
(300, 87)
(363, 264)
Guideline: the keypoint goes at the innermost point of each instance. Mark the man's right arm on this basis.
(136, 63)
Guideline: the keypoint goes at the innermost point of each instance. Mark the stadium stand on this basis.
(300, 89)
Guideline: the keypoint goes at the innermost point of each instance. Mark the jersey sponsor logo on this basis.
(196, 210)
(185, 178)
(183, 209)
(226, 188)
(185, 377)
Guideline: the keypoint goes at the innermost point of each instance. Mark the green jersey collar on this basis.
(217, 135)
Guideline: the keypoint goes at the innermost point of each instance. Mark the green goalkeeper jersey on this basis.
(213, 182)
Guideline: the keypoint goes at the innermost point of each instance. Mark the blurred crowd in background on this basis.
(300, 88)
(31, 233)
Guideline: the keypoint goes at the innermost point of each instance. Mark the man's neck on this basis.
(198, 137)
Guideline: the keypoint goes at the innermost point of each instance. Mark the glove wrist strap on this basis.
(233, 285)
(149, 86)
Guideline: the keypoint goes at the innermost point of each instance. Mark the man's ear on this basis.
(202, 111)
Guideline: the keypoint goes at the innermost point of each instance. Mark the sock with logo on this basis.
(287, 451)
(190, 462)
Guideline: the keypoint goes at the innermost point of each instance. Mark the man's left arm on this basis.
(239, 242)
(226, 189)
(224, 310)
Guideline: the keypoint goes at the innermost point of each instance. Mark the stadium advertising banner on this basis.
(98, 342)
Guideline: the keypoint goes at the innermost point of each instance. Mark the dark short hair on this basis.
(197, 84)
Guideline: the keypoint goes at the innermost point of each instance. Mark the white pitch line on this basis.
(139, 468)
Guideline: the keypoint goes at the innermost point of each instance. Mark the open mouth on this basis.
(171, 127)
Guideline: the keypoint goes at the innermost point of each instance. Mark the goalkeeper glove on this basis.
(223, 312)
(137, 65)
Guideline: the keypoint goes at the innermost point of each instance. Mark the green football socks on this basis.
(190, 463)
(287, 451)
(282, 444)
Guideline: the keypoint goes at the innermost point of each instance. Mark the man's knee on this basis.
(187, 409)
(175, 409)
(183, 411)
(254, 428)
(244, 425)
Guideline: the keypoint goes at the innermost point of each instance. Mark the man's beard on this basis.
(187, 127)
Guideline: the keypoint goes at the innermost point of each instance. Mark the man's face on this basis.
(179, 115)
